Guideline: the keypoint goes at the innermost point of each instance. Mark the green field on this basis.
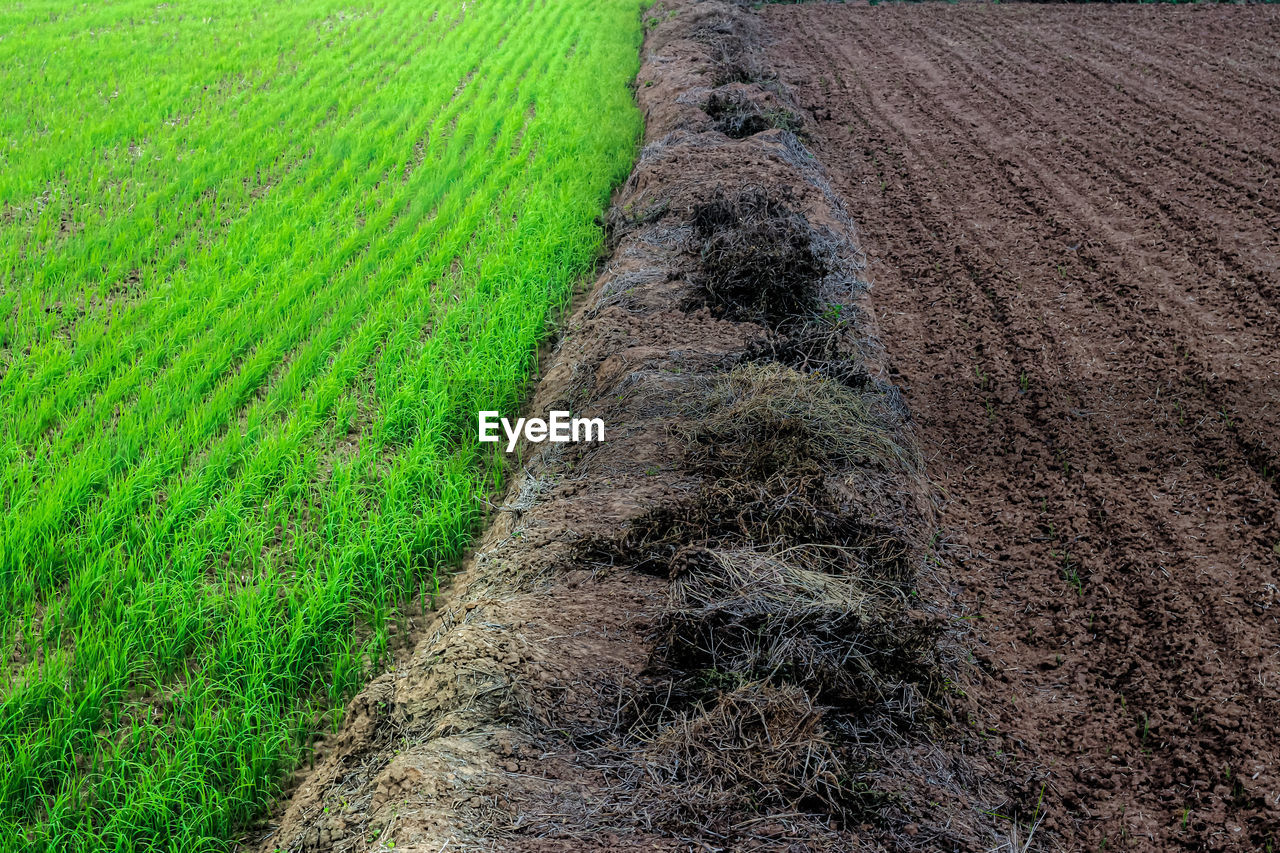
(260, 265)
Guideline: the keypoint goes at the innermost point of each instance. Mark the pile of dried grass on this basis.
(822, 346)
(757, 261)
(802, 616)
(789, 654)
(730, 38)
(756, 749)
(737, 116)
(763, 418)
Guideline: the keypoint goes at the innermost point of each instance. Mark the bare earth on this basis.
(1072, 219)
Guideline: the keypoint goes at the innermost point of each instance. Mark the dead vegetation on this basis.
(781, 617)
(757, 261)
(756, 749)
(788, 646)
(792, 661)
(820, 345)
(730, 38)
(722, 638)
(738, 116)
(762, 418)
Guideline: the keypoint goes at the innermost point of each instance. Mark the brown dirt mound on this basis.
(718, 629)
(1072, 215)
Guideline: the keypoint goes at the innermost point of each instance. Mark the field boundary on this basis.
(719, 627)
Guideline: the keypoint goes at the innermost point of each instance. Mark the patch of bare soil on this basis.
(1073, 221)
(719, 629)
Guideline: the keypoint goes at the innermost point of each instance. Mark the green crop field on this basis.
(260, 265)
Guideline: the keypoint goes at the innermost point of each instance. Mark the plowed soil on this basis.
(1072, 216)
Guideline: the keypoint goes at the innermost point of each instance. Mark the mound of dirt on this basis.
(717, 630)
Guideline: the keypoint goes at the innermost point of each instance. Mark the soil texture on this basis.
(1072, 221)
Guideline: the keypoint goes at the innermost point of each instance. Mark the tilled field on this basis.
(1072, 219)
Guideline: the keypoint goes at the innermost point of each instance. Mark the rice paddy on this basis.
(260, 266)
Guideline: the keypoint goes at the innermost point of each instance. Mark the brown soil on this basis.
(1072, 216)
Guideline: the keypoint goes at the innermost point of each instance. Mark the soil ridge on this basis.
(718, 629)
